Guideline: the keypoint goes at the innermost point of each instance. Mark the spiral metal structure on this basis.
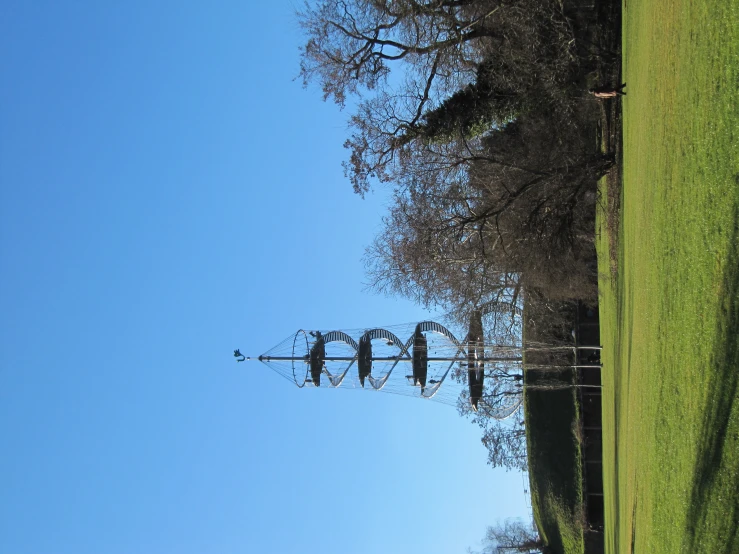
(431, 363)
(477, 372)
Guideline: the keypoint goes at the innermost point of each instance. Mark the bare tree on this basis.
(506, 446)
(462, 65)
(352, 44)
(504, 440)
(513, 535)
(475, 220)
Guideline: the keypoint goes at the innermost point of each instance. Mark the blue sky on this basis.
(170, 193)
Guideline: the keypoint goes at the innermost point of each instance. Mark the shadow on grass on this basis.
(714, 509)
(554, 462)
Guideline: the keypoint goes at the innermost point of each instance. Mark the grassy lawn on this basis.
(670, 318)
(554, 465)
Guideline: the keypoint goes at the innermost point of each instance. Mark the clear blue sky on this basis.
(170, 193)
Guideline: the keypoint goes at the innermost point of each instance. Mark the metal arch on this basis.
(339, 336)
(433, 327)
(379, 333)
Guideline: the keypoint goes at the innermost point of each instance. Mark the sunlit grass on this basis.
(670, 319)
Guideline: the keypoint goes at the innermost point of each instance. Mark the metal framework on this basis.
(432, 363)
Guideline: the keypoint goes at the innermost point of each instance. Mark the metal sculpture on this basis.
(436, 365)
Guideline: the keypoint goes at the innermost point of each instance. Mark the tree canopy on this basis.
(513, 536)
(472, 112)
(461, 67)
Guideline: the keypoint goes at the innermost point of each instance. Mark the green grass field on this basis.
(670, 318)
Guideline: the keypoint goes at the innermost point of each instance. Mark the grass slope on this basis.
(552, 423)
(554, 466)
(670, 319)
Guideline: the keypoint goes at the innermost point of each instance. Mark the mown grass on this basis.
(670, 317)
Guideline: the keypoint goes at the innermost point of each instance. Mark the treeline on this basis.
(476, 114)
